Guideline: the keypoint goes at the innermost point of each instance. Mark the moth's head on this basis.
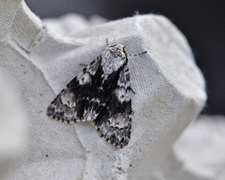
(113, 57)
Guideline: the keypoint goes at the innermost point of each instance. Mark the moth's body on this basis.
(99, 93)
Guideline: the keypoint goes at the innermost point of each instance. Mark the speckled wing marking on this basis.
(114, 122)
(69, 104)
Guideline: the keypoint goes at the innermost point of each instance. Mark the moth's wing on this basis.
(114, 121)
(69, 104)
(100, 94)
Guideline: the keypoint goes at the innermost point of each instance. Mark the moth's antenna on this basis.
(137, 54)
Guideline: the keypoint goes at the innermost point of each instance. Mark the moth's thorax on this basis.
(113, 57)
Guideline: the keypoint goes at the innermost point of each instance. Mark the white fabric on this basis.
(12, 125)
(170, 93)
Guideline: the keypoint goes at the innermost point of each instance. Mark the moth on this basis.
(100, 93)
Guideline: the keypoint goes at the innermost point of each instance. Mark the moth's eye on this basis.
(115, 55)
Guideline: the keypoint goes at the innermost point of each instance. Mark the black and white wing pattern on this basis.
(69, 104)
(100, 93)
(114, 121)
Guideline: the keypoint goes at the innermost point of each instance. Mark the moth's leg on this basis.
(81, 64)
(132, 90)
(107, 42)
(132, 112)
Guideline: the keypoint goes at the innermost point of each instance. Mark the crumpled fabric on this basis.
(169, 93)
